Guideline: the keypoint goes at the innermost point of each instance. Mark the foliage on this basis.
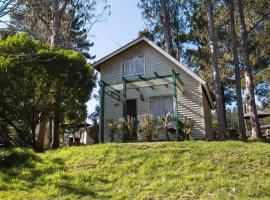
(131, 127)
(29, 72)
(187, 126)
(162, 170)
(147, 126)
(93, 131)
(76, 20)
(190, 36)
(122, 127)
(163, 125)
(112, 129)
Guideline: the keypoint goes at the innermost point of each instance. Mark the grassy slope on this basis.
(183, 170)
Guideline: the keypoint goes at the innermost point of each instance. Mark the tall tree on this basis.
(62, 24)
(256, 131)
(28, 99)
(241, 125)
(165, 22)
(165, 18)
(6, 7)
(214, 58)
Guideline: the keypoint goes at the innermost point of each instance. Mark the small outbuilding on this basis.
(140, 77)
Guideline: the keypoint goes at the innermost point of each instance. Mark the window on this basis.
(134, 66)
(160, 106)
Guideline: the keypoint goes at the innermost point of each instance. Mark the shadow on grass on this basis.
(10, 158)
(22, 170)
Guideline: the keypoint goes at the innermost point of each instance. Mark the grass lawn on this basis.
(164, 170)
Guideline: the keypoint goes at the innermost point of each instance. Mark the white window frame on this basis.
(133, 75)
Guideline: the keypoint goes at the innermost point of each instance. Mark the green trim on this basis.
(175, 110)
(102, 104)
(124, 98)
(111, 95)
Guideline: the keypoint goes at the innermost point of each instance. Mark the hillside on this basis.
(167, 170)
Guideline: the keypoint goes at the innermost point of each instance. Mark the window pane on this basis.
(167, 105)
(160, 106)
(128, 67)
(155, 106)
(138, 63)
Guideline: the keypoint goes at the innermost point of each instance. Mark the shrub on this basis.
(187, 126)
(147, 126)
(15, 157)
(93, 131)
(112, 128)
(122, 126)
(162, 125)
(131, 127)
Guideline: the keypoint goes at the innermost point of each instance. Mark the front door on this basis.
(132, 112)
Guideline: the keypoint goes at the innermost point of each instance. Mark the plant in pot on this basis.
(122, 127)
(187, 126)
(131, 127)
(112, 129)
(147, 126)
(167, 124)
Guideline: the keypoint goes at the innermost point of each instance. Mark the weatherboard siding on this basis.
(190, 103)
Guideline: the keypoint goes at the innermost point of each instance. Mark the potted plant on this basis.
(147, 126)
(131, 127)
(122, 127)
(187, 126)
(112, 129)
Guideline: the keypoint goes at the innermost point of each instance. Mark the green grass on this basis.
(165, 170)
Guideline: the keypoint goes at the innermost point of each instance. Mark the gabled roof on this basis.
(97, 64)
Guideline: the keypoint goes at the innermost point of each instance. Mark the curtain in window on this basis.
(167, 105)
(160, 106)
(128, 67)
(138, 64)
(155, 107)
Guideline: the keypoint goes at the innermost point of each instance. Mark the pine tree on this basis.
(214, 58)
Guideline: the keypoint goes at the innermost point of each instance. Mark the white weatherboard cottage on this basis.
(142, 78)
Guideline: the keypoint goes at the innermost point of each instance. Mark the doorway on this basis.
(132, 112)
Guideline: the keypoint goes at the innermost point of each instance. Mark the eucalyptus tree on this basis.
(29, 72)
(214, 58)
(256, 131)
(241, 125)
(62, 24)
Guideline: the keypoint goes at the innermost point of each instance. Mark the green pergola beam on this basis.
(175, 110)
(102, 104)
(177, 77)
(112, 96)
(124, 98)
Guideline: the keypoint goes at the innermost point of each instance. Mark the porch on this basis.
(118, 91)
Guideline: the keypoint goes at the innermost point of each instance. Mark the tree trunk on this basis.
(55, 139)
(33, 130)
(214, 58)
(223, 103)
(39, 146)
(240, 112)
(256, 131)
(165, 16)
(56, 22)
(50, 130)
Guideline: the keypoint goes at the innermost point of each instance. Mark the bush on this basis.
(147, 126)
(16, 157)
(112, 129)
(187, 126)
(131, 128)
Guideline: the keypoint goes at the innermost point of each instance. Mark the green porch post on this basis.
(175, 110)
(102, 104)
(124, 98)
(125, 135)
